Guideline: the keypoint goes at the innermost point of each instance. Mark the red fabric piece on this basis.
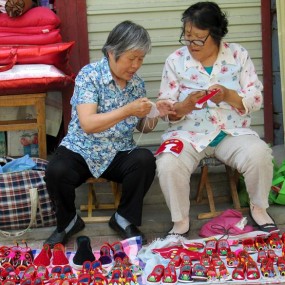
(174, 146)
(13, 38)
(224, 224)
(53, 54)
(36, 17)
(34, 85)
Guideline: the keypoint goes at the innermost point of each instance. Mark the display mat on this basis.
(150, 259)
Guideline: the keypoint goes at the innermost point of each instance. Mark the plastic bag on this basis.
(225, 224)
(19, 164)
(277, 192)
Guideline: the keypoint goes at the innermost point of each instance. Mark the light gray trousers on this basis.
(248, 154)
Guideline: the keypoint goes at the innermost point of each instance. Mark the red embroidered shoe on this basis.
(224, 274)
(169, 276)
(211, 273)
(262, 254)
(176, 261)
(129, 277)
(199, 272)
(272, 255)
(105, 255)
(267, 268)
(232, 259)
(252, 271)
(99, 279)
(260, 243)
(118, 250)
(205, 260)
(216, 260)
(274, 241)
(116, 277)
(239, 272)
(96, 266)
(211, 246)
(9, 256)
(185, 273)
(281, 266)
(59, 257)
(84, 279)
(42, 273)
(30, 272)
(248, 245)
(223, 247)
(155, 276)
(43, 258)
(55, 273)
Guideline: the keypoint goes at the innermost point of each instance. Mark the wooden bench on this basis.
(204, 183)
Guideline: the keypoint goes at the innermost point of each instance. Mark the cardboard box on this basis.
(20, 143)
(3, 147)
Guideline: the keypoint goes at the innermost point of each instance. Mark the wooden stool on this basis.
(36, 100)
(233, 176)
(94, 204)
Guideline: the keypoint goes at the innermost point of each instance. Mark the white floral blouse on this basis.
(94, 84)
(182, 74)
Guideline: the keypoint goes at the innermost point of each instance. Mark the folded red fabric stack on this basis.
(33, 39)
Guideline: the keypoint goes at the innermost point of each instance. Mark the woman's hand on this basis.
(227, 95)
(165, 107)
(140, 107)
(187, 106)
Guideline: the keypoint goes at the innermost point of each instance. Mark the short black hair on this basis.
(207, 16)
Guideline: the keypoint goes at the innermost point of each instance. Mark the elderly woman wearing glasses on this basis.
(217, 127)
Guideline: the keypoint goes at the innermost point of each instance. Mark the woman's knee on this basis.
(145, 158)
(167, 162)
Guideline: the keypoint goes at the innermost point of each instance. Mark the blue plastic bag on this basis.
(18, 164)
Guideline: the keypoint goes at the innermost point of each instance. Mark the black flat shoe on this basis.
(63, 236)
(83, 253)
(269, 227)
(130, 231)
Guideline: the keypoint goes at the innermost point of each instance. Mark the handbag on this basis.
(24, 200)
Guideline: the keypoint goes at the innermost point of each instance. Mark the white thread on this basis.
(153, 113)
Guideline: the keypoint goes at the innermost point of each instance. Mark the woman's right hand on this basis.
(140, 107)
(188, 105)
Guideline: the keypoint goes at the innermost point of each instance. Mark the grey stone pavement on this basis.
(156, 217)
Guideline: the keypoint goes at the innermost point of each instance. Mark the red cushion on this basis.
(35, 17)
(27, 30)
(53, 54)
(36, 39)
(33, 85)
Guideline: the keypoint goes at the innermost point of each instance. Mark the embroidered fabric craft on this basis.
(173, 146)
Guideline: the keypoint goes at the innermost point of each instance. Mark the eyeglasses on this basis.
(199, 43)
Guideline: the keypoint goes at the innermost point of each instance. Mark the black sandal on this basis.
(269, 227)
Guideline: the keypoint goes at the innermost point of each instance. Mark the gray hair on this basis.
(127, 36)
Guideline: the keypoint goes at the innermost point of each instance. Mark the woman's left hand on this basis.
(228, 96)
(165, 107)
(221, 95)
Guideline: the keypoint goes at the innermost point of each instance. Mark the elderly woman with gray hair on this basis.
(108, 103)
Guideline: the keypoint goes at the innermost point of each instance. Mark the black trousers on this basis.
(67, 170)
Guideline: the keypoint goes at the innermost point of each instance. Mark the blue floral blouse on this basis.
(94, 84)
